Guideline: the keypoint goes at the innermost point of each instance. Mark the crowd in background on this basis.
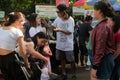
(97, 48)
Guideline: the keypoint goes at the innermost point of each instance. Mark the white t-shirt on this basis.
(35, 30)
(8, 38)
(64, 42)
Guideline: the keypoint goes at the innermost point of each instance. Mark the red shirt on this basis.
(102, 42)
(117, 37)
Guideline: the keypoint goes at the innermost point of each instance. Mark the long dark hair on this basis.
(38, 35)
(116, 20)
(63, 10)
(105, 8)
(32, 19)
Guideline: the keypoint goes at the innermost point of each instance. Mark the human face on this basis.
(21, 21)
(59, 13)
(96, 13)
(38, 20)
(41, 42)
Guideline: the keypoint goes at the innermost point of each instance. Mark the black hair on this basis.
(39, 35)
(64, 10)
(32, 19)
(62, 7)
(105, 8)
(88, 18)
(116, 20)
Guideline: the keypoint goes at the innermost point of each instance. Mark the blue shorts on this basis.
(105, 68)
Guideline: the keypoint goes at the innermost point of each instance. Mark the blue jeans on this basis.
(105, 68)
(90, 55)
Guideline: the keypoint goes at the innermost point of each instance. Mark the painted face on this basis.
(41, 42)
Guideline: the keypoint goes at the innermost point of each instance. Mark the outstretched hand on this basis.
(43, 21)
(57, 29)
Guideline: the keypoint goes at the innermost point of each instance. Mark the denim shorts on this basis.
(65, 55)
(105, 68)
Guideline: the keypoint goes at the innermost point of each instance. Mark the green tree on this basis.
(26, 6)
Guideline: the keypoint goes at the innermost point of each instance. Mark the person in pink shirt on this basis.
(114, 22)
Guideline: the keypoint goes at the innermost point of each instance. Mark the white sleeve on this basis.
(71, 25)
(32, 32)
(19, 33)
(55, 23)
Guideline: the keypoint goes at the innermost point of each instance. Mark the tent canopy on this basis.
(88, 4)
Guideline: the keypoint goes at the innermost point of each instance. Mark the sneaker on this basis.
(54, 76)
(82, 65)
(87, 68)
(74, 77)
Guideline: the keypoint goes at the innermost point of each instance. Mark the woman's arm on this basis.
(23, 51)
(47, 25)
(117, 52)
(35, 53)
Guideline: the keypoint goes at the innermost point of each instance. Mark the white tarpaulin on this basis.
(46, 11)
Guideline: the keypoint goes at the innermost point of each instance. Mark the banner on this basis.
(2, 15)
(89, 12)
(78, 11)
(46, 11)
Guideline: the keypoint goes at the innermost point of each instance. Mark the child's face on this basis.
(47, 50)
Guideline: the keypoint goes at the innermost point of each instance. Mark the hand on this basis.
(57, 29)
(93, 74)
(29, 70)
(115, 55)
(46, 61)
(43, 21)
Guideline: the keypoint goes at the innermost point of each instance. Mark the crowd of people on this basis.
(25, 45)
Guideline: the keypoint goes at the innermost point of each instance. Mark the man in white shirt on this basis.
(64, 26)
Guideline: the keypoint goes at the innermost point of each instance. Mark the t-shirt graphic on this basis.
(64, 27)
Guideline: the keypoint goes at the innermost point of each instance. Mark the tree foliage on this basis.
(26, 6)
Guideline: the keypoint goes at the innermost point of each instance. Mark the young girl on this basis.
(46, 70)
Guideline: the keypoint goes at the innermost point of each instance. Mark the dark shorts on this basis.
(10, 69)
(116, 71)
(65, 55)
(104, 71)
(83, 49)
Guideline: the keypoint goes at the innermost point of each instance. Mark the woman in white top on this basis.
(35, 24)
(10, 36)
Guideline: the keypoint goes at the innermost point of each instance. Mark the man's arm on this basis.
(60, 30)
